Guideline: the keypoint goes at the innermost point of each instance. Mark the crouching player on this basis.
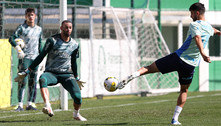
(61, 67)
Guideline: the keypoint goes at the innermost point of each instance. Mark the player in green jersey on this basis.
(31, 34)
(61, 67)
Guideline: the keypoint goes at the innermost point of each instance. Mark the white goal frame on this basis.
(127, 39)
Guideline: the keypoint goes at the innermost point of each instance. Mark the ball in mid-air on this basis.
(110, 84)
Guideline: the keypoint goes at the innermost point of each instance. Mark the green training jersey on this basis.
(61, 56)
(32, 38)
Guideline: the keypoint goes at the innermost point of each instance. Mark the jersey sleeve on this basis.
(15, 35)
(74, 57)
(47, 47)
(194, 29)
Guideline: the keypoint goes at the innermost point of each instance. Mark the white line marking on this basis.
(216, 95)
(20, 115)
(129, 104)
(113, 106)
(198, 96)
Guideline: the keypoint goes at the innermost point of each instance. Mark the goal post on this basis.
(132, 40)
(63, 16)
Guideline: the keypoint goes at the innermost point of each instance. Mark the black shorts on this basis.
(172, 63)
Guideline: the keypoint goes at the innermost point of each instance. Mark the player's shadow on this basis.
(18, 121)
(112, 124)
(121, 124)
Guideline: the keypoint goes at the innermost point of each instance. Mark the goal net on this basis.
(122, 41)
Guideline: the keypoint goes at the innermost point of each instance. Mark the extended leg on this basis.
(142, 71)
(148, 69)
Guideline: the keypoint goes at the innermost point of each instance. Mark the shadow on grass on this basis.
(120, 124)
(17, 121)
(113, 124)
(47, 120)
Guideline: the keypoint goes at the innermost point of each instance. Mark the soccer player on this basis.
(61, 67)
(31, 34)
(185, 59)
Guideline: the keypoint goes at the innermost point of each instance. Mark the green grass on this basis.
(201, 109)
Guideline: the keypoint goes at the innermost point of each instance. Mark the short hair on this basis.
(197, 7)
(65, 21)
(29, 10)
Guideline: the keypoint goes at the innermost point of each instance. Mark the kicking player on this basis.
(185, 59)
(61, 67)
(31, 34)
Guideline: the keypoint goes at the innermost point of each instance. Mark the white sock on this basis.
(136, 74)
(76, 113)
(29, 103)
(20, 104)
(177, 112)
(47, 104)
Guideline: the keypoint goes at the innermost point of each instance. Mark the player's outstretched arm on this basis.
(21, 75)
(48, 46)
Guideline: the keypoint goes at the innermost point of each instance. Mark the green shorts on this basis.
(66, 80)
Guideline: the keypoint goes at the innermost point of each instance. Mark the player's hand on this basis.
(80, 83)
(218, 33)
(20, 53)
(206, 58)
(20, 77)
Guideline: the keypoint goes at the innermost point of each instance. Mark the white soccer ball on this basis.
(20, 42)
(110, 84)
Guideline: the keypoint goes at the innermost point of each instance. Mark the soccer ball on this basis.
(20, 42)
(110, 84)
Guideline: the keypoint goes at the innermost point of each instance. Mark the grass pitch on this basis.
(201, 109)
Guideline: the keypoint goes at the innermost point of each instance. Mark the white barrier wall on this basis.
(104, 58)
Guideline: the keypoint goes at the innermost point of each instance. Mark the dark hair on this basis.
(65, 21)
(197, 7)
(29, 10)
